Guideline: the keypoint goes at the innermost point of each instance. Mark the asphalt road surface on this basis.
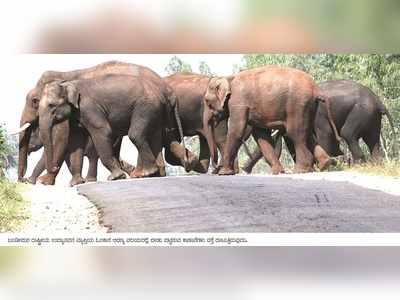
(208, 203)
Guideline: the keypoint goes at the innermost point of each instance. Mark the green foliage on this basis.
(8, 150)
(176, 65)
(205, 69)
(381, 73)
(11, 206)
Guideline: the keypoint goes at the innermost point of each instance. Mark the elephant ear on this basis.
(224, 89)
(72, 93)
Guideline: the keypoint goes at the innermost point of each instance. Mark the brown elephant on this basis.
(357, 113)
(30, 116)
(267, 98)
(190, 89)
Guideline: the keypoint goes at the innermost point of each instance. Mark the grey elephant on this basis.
(109, 107)
(77, 137)
(30, 116)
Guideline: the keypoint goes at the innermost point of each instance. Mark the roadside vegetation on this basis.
(12, 205)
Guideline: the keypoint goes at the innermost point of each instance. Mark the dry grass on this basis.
(12, 207)
(386, 168)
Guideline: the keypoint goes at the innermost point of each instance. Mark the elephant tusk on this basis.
(274, 133)
(23, 127)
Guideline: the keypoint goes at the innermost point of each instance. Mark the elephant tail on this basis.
(325, 99)
(385, 111)
(180, 129)
(173, 103)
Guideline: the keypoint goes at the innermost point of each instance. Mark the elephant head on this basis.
(215, 109)
(58, 100)
(28, 123)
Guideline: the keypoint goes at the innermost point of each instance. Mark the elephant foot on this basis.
(90, 179)
(127, 167)
(226, 171)
(116, 175)
(299, 169)
(247, 169)
(216, 170)
(47, 179)
(31, 180)
(76, 180)
(145, 172)
(324, 165)
(276, 170)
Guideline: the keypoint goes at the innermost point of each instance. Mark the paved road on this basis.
(208, 203)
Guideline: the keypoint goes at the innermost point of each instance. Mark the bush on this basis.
(11, 206)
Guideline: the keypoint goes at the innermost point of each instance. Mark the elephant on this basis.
(110, 107)
(30, 115)
(190, 89)
(77, 136)
(357, 113)
(267, 98)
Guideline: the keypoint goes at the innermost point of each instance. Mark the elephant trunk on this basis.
(23, 153)
(47, 138)
(25, 133)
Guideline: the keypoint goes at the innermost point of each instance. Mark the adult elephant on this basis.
(267, 98)
(357, 113)
(77, 137)
(30, 115)
(110, 107)
(190, 89)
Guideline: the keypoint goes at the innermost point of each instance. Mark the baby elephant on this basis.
(109, 107)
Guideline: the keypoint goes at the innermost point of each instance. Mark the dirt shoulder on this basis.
(59, 209)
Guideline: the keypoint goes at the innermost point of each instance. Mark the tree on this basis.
(205, 69)
(176, 65)
(8, 151)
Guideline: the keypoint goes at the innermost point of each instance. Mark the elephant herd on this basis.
(87, 112)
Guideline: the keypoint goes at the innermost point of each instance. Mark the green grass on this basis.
(12, 207)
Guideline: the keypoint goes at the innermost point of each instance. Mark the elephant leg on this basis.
(304, 158)
(39, 168)
(103, 142)
(351, 132)
(126, 167)
(91, 175)
(252, 160)
(48, 178)
(297, 138)
(372, 139)
(139, 134)
(156, 147)
(323, 159)
(265, 143)
(74, 161)
(204, 156)
(236, 129)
